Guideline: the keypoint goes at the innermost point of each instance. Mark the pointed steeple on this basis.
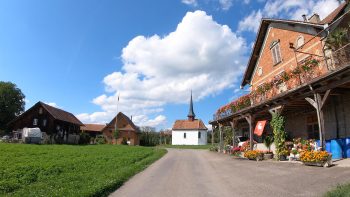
(191, 114)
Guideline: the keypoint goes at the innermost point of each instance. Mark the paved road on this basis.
(192, 173)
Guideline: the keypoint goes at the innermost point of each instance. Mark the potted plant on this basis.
(283, 155)
(253, 155)
(268, 142)
(294, 155)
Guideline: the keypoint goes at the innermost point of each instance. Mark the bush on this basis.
(100, 140)
(84, 138)
(339, 191)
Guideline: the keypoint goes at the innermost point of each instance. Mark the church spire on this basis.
(191, 114)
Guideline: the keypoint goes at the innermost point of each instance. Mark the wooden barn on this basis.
(57, 125)
(299, 70)
(128, 133)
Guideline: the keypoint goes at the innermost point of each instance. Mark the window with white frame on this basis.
(199, 134)
(276, 52)
(184, 135)
(35, 121)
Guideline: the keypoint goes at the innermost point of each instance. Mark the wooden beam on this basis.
(324, 99)
(250, 120)
(221, 148)
(277, 109)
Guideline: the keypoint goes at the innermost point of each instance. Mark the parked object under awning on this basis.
(259, 128)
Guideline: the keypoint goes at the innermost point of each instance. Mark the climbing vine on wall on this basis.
(277, 124)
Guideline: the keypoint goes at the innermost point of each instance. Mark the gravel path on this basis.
(202, 173)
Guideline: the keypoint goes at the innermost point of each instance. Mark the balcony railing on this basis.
(335, 55)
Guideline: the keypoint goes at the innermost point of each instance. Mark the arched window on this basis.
(276, 52)
(300, 41)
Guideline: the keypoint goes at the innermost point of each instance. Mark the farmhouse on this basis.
(128, 133)
(189, 132)
(57, 125)
(300, 70)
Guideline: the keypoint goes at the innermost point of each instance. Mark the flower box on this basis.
(321, 163)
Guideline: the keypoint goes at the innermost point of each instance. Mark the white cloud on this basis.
(287, 9)
(226, 4)
(251, 22)
(52, 104)
(190, 2)
(200, 54)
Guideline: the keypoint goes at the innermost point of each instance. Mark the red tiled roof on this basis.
(92, 127)
(189, 125)
(332, 16)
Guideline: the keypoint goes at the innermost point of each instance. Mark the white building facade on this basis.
(189, 137)
(189, 132)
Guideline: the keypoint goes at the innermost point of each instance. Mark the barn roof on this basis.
(93, 127)
(189, 125)
(56, 113)
(60, 114)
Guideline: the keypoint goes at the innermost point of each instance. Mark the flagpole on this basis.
(116, 117)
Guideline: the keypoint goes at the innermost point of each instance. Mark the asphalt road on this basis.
(191, 173)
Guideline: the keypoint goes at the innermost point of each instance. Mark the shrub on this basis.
(84, 138)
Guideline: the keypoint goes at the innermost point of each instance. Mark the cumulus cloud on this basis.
(199, 55)
(287, 9)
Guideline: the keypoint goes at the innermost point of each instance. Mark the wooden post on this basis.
(212, 136)
(233, 124)
(220, 137)
(318, 103)
(250, 120)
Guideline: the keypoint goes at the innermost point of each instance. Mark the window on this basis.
(199, 134)
(40, 110)
(276, 52)
(300, 41)
(184, 135)
(44, 122)
(260, 71)
(35, 122)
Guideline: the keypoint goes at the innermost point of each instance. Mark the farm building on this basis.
(299, 70)
(128, 133)
(57, 125)
(93, 130)
(189, 132)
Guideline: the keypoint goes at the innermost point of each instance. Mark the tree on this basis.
(11, 103)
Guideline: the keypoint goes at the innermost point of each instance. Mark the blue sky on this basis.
(80, 55)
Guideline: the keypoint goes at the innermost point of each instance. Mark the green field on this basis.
(64, 170)
(186, 146)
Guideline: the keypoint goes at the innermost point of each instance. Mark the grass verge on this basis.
(64, 170)
(339, 191)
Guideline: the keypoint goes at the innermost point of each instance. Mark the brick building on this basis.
(297, 70)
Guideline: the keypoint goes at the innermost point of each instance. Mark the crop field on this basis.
(64, 170)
